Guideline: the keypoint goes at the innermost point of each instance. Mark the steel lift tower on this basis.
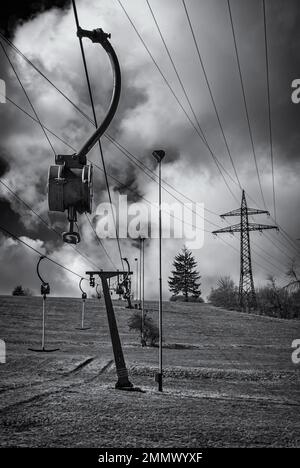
(247, 297)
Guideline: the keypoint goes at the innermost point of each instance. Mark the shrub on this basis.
(278, 302)
(151, 332)
(225, 294)
(20, 291)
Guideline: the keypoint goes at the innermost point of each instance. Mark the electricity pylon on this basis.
(247, 297)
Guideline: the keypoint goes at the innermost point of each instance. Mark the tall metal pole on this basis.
(158, 155)
(160, 289)
(143, 288)
(43, 325)
(82, 314)
(137, 280)
(140, 280)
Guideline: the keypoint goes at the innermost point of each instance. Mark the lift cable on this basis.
(254, 260)
(245, 103)
(210, 91)
(98, 238)
(283, 232)
(174, 67)
(96, 125)
(199, 132)
(116, 180)
(277, 246)
(43, 220)
(121, 184)
(269, 108)
(109, 175)
(10, 234)
(27, 60)
(113, 141)
(167, 83)
(27, 96)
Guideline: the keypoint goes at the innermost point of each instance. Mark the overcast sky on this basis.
(149, 117)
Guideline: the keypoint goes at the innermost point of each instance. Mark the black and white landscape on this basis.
(208, 117)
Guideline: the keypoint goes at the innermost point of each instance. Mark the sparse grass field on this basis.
(229, 379)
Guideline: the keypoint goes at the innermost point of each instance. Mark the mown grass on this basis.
(229, 379)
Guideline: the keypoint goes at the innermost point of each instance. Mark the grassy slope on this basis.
(229, 379)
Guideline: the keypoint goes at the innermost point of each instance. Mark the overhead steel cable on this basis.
(114, 178)
(52, 132)
(27, 96)
(245, 103)
(269, 108)
(142, 166)
(277, 246)
(10, 234)
(109, 175)
(35, 120)
(120, 147)
(174, 66)
(114, 142)
(121, 184)
(210, 91)
(289, 239)
(96, 125)
(27, 60)
(43, 220)
(99, 240)
(199, 130)
(238, 252)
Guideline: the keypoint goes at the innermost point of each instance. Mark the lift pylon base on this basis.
(123, 382)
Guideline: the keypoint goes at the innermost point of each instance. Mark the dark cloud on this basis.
(17, 12)
(148, 117)
(10, 219)
(4, 166)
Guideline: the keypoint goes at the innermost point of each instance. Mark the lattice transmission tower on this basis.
(247, 297)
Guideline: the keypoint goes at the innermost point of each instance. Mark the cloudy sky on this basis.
(149, 117)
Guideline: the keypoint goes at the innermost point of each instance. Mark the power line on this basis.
(109, 175)
(245, 102)
(269, 107)
(113, 141)
(43, 128)
(210, 91)
(120, 183)
(6, 231)
(63, 140)
(96, 124)
(27, 96)
(284, 233)
(277, 247)
(199, 130)
(117, 144)
(44, 221)
(99, 240)
(35, 120)
(27, 60)
(174, 67)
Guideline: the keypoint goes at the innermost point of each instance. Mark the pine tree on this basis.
(185, 277)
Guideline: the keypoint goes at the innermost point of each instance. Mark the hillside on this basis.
(229, 379)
